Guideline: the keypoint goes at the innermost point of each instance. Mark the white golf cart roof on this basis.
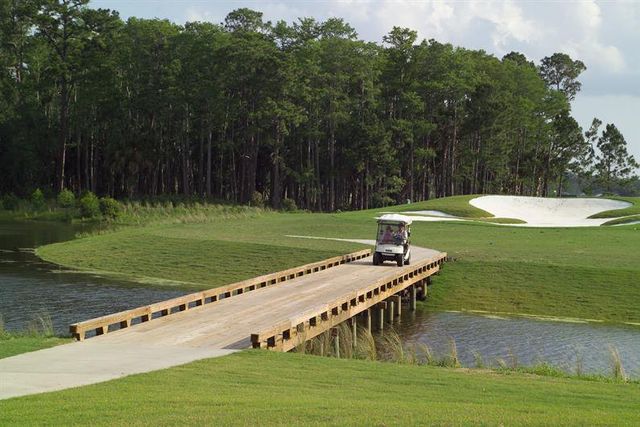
(394, 219)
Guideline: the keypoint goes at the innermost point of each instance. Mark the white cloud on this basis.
(509, 23)
(583, 35)
(193, 14)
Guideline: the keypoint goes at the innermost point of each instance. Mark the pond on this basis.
(524, 341)
(31, 288)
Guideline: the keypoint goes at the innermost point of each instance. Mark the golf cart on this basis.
(392, 240)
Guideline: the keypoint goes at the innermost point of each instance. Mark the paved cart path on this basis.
(208, 331)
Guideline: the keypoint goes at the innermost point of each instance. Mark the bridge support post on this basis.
(354, 331)
(336, 342)
(367, 314)
(413, 295)
(423, 289)
(398, 301)
(391, 310)
(381, 307)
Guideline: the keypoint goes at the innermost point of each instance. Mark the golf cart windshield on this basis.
(391, 233)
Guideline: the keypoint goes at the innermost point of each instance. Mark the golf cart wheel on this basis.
(376, 258)
(407, 261)
(400, 260)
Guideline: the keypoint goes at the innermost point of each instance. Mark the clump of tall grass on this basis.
(452, 360)
(392, 343)
(579, 364)
(388, 346)
(502, 364)
(41, 325)
(545, 369)
(2, 330)
(366, 345)
(478, 359)
(617, 370)
(513, 359)
(138, 213)
(425, 354)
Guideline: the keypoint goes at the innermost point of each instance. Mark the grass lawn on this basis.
(259, 387)
(574, 272)
(10, 344)
(589, 273)
(634, 209)
(625, 220)
(197, 256)
(455, 205)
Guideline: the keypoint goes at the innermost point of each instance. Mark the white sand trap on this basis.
(430, 213)
(424, 218)
(548, 212)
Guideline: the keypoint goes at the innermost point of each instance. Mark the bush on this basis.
(66, 199)
(110, 208)
(11, 202)
(257, 199)
(89, 205)
(289, 204)
(37, 199)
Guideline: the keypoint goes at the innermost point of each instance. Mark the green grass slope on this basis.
(264, 388)
(199, 255)
(455, 205)
(624, 220)
(634, 209)
(591, 273)
(574, 272)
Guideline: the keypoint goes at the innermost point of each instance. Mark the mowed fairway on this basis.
(264, 388)
(591, 273)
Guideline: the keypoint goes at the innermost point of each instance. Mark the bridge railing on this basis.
(127, 318)
(295, 331)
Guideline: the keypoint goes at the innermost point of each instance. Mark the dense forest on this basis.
(249, 110)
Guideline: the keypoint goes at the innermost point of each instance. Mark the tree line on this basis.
(251, 110)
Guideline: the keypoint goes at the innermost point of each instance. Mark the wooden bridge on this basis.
(277, 311)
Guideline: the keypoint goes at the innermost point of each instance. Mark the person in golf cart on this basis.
(392, 240)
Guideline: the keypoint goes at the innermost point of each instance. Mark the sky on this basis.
(603, 34)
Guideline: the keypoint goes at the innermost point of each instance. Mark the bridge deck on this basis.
(206, 331)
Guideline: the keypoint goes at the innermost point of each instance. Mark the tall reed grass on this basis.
(617, 370)
(387, 346)
(41, 325)
(139, 213)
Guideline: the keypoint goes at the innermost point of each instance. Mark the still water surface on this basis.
(30, 287)
(525, 341)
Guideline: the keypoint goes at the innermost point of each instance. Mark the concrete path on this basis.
(89, 362)
(208, 331)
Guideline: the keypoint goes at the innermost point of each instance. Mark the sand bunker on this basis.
(432, 213)
(548, 212)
